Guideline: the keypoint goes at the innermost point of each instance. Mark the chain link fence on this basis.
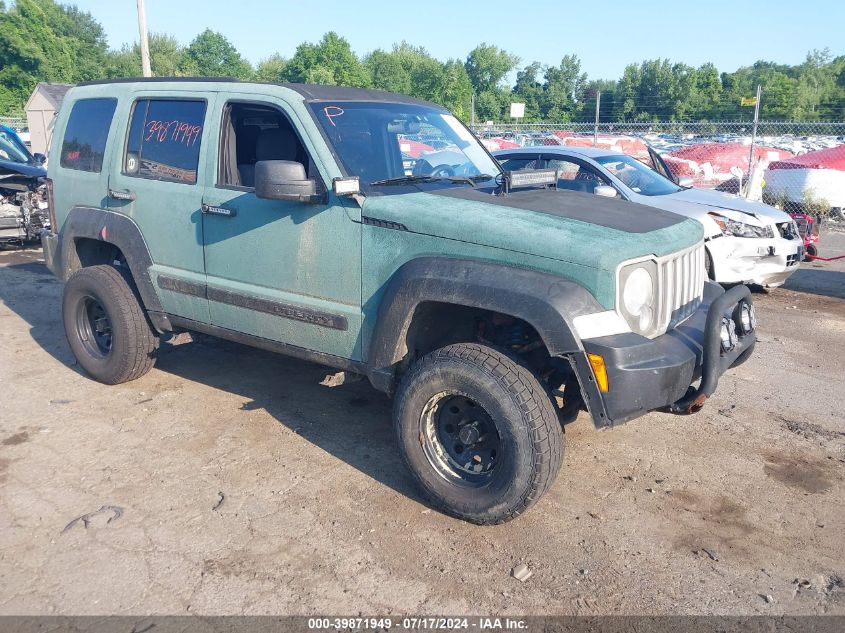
(16, 123)
(798, 166)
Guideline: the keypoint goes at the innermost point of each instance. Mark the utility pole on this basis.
(753, 141)
(145, 44)
(472, 113)
(596, 129)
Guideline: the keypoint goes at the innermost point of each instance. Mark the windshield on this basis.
(639, 178)
(12, 149)
(395, 143)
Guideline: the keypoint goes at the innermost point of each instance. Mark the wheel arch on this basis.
(88, 236)
(546, 302)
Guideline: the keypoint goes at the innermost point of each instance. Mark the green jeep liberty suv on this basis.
(296, 219)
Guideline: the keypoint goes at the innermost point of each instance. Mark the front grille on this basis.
(682, 278)
(792, 260)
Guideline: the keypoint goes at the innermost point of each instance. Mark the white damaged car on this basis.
(745, 242)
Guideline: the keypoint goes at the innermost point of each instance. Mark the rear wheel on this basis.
(479, 433)
(105, 325)
(708, 265)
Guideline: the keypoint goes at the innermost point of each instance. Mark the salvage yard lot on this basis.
(235, 481)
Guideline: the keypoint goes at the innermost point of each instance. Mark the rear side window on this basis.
(86, 134)
(164, 140)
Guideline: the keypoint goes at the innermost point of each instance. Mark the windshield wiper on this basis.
(403, 180)
(464, 179)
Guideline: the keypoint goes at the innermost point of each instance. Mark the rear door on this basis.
(157, 181)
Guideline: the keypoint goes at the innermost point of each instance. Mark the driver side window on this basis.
(251, 133)
(575, 176)
(518, 163)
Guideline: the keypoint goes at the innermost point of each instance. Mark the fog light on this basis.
(728, 334)
(747, 318)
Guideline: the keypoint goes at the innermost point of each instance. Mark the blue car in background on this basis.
(23, 201)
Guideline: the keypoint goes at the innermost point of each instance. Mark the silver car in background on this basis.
(745, 241)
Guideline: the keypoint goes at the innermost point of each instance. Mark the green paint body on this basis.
(320, 257)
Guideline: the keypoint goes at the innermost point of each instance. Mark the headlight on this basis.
(741, 229)
(637, 297)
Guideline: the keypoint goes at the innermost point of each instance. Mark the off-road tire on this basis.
(133, 341)
(532, 439)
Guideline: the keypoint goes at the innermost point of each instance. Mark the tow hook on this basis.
(697, 404)
(692, 402)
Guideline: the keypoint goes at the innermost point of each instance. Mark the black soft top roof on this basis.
(310, 92)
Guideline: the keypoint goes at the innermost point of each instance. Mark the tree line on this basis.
(41, 40)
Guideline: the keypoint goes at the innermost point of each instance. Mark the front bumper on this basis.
(644, 374)
(765, 262)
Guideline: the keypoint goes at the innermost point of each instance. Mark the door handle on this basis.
(123, 195)
(212, 210)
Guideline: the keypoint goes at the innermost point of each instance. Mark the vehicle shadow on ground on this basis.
(351, 422)
(817, 281)
(34, 294)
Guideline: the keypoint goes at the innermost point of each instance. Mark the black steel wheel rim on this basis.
(93, 327)
(460, 439)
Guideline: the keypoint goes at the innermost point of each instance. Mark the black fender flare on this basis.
(545, 301)
(121, 231)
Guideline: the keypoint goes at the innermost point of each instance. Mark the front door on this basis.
(280, 270)
(157, 181)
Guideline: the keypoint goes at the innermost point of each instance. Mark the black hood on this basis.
(612, 213)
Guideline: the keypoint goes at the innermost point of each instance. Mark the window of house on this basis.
(164, 140)
(87, 131)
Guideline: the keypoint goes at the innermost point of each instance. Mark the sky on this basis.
(605, 35)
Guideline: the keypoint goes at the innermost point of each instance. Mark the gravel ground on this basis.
(233, 481)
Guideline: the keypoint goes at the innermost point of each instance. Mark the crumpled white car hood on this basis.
(713, 198)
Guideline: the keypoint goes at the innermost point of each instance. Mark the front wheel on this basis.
(106, 326)
(479, 433)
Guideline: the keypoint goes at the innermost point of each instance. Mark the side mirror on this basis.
(686, 182)
(39, 157)
(284, 180)
(605, 191)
